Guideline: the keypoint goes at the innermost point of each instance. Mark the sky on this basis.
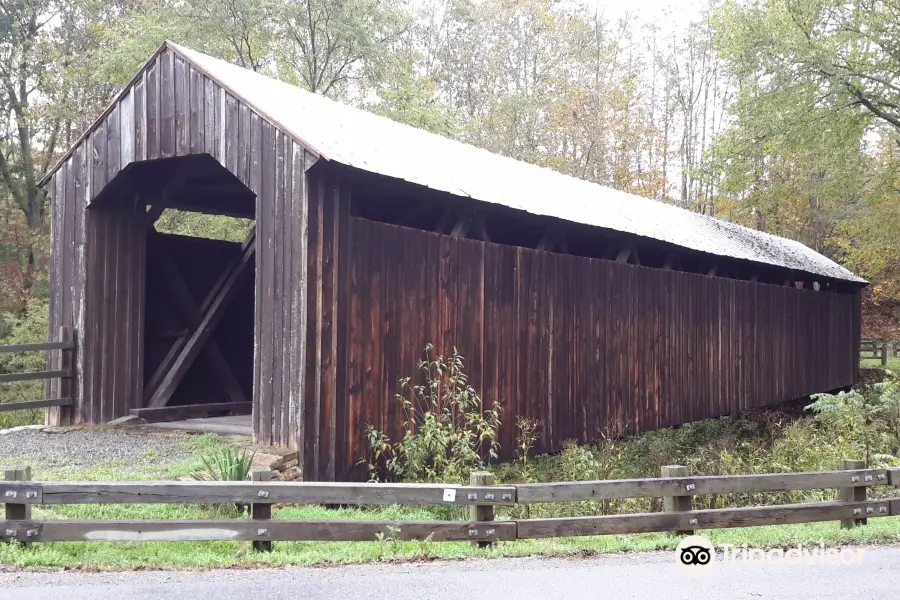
(646, 9)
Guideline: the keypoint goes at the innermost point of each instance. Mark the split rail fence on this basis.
(481, 496)
(881, 349)
(61, 369)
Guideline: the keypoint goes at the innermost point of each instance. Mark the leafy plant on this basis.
(526, 436)
(226, 463)
(447, 430)
(869, 417)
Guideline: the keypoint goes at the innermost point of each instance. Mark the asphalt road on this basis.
(640, 576)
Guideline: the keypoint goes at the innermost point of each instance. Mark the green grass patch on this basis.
(201, 555)
(892, 363)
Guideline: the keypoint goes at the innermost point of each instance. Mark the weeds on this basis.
(447, 430)
(526, 436)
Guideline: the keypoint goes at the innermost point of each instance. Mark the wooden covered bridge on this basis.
(594, 311)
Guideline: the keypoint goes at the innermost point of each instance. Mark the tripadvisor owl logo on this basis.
(695, 555)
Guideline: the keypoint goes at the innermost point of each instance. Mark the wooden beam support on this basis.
(553, 240)
(444, 222)
(547, 241)
(191, 411)
(479, 228)
(184, 302)
(212, 309)
(214, 189)
(154, 213)
(669, 263)
(461, 228)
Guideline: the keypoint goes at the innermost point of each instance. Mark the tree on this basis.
(848, 51)
(326, 45)
(30, 128)
(811, 152)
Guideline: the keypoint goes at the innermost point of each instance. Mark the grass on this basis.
(202, 555)
(893, 363)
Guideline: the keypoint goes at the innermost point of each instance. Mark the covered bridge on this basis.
(595, 311)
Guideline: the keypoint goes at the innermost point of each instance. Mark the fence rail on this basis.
(20, 494)
(881, 349)
(64, 360)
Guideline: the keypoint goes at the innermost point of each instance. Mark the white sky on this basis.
(647, 9)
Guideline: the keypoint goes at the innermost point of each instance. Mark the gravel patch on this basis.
(88, 447)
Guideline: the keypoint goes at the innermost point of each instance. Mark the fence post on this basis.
(261, 511)
(853, 494)
(18, 512)
(676, 504)
(479, 512)
(57, 416)
(884, 352)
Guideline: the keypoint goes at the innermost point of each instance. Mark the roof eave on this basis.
(175, 48)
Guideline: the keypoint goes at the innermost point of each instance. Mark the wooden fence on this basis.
(881, 349)
(65, 361)
(20, 494)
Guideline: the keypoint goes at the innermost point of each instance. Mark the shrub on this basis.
(447, 430)
(869, 418)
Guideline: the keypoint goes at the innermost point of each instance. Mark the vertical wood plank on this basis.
(182, 103)
(255, 178)
(266, 223)
(140, 118)
(298, 295)
(112, 144)
(166, 104)
(126, 129)
(197, 119)
(313, 325)
(210, 131)
(274, 269)
(152, 109)
(80, 390)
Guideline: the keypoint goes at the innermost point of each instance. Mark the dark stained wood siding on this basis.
(325, 362)
(589, 347)
(98, 253)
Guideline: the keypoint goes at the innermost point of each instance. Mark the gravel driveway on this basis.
(87, 447)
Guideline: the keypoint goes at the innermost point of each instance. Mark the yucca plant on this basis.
(227, 463)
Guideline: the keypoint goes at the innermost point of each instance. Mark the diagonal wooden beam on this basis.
(185, 303)
(154, 213)
(212, 309)
(445, 221)
(461, 228)
(547, 241)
